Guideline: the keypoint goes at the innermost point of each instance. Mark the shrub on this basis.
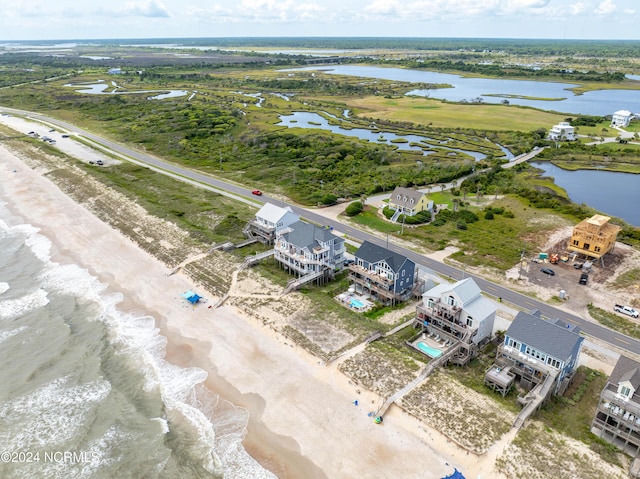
(420, 218)
(488, 215)
(354, 208)
(467, 216)
(388, 212)
(328, 199)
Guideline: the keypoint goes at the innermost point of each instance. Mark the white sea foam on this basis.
(4, 335)
(12, 308)
(4, 287)
(75, 280)
(40, 245)
(164, 425)
(50, 415)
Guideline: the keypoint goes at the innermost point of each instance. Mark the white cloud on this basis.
(383, 7)
(261, 11)
(577, 8)
(523, 4)
(149, 8)
(605, 8)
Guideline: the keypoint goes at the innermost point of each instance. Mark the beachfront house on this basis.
(268, 221)
(594, 237)
(457, 314)
(381, 274)
(541, 354)
(563, 131)
(308, 251)
(621, 118)
(408, 202)
(617, 417)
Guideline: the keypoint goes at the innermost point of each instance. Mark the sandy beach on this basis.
(302, 420)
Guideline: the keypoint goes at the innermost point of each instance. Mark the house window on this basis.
(403, 272)
(430, 303)
(398, 197)
(451, 301)
(411, 201)
(597, 249)
(625, 391)
(586, 246)
(469, 321)
(576, 242)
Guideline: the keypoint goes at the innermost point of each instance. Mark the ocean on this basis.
(85, 391)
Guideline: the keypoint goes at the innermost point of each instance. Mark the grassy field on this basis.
(495, 243)
(440, 114)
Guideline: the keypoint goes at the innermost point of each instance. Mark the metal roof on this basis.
(272, 213)
(551, 338)
(373, 253)
(305, 235)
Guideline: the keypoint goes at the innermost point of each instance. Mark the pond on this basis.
(544, 95)
(613, 193)
(100, 87)
(302, 119)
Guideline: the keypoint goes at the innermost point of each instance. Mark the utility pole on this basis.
(521, 259)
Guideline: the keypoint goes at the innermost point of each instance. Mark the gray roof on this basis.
(305, 235)
(626, 369)
(407, 193)
(372, 253)
(545, 336)
(466, 289)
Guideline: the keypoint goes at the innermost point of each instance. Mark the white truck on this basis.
(628, 310)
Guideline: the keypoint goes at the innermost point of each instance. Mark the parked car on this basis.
(577, 265)
(548, 271)
(584, 277)
(628, 310)
(257, 192)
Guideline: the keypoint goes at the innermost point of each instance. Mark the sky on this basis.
(98, 19)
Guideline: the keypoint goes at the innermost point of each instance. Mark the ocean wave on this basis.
(116, 363)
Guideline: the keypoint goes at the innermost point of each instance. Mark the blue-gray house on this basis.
(540, 350)
(380, 273)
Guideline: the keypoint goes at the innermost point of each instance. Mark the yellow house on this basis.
(409, 202)
(594, 237)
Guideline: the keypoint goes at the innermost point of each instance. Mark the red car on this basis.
(257, 192)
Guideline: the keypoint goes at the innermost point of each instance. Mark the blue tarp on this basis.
(456, 475)
(190, 296)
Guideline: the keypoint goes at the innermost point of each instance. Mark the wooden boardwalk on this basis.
(536, 397)
(426, 372)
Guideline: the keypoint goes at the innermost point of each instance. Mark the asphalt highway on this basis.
(594, 330)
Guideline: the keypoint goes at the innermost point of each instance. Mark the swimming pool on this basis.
(355, 303)
(428, 350)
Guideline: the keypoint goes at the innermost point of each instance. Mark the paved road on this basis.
(594, 330)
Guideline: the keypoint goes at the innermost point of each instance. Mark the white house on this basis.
(621, 118)
(563, 131)
(269, 221)
(458, 312)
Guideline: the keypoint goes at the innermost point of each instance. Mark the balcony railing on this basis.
(384, 292)
(614, 399)
(446, 316)
(514, 356)
(370, 274)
